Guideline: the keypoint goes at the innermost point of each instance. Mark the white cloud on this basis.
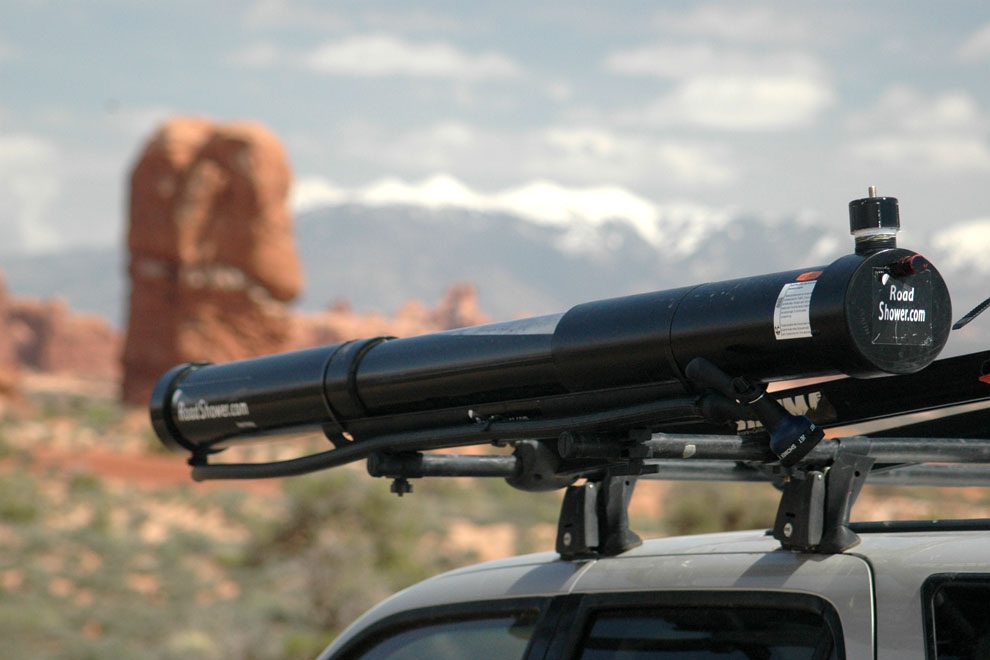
(585, 153)
(737, 103)
(945, 155)
(139, 123)
(28, 185)
(964, 246)
(559, 91)
(584, 142)
(311, 192)
(729, 89)
(380, 56)
(976, 47)
(550, 203)
(414, 21)
(593, 153)
(278, 14)
(268, 15)
(906, 109)
(684, 61)
(257, 55)
(738, 23)
(435, 192)
(7, 52)
(944, 134)
(386, 55)
(442, 146)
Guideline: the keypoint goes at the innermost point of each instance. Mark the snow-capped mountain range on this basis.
(677, 228)
(532, 249)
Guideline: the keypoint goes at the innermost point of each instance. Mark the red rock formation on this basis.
(8, 353)
(212, 256)
(49, 337)
(459, 308)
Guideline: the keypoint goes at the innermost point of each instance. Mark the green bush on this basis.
(101, 416)
(19, 498)
(696, 508)
(347, 541)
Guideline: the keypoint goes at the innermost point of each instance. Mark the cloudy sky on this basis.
(779, 108)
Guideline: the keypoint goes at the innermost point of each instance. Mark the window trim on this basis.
(562, 619)
(593, 603)
(451, 613)
(929, 588)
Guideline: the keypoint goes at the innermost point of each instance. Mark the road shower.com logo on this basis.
(204, 410)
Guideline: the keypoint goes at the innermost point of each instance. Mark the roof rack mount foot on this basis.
(813, 515)
(594, 519)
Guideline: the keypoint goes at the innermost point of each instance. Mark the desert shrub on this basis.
(695, 508)
(6, 450)
(19, 498)
(343, 542)
(101, 416)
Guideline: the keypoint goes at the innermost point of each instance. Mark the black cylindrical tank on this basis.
(884, 311)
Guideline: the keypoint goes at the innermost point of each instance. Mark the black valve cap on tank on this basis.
(874, 222)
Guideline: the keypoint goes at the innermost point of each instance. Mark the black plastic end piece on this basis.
(159, 408)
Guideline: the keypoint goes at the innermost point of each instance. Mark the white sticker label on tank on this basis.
(792, 313)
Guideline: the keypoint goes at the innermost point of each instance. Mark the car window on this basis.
(719, 633)
(497, 637)
(958, 616)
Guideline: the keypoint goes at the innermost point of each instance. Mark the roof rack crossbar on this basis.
(753, 448)
(906, 450)
(418, 466)
(414, 465)
(925, 474)
(945, 476)
(921, 461)
(885, 450)
(817, 493)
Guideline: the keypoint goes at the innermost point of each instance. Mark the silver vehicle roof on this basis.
(881, 577)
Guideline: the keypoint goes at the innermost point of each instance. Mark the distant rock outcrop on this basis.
(9, 366)
(213, 259)
(51, 338)
(459, 308)
(46, 336)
